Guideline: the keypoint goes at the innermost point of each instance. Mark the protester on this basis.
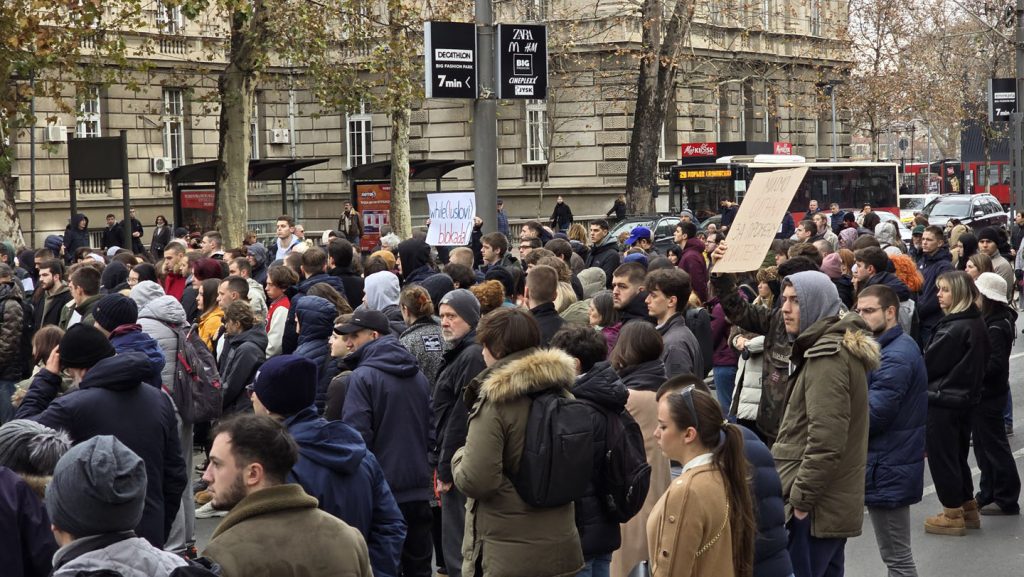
(604, 251)
(211, 317)
(341, 263)
(245, 346)
(84, 284)
(668, 291)
(315, 322)
(603, 316)
(52, 293)
(989, 240)
(508, 536)
(955, 357)
(272, 523)
(933, 261)
(280, 280)
(334, 465)
(692, 261)
(423, 337)
(116, 316)
(350, 223)
(628, 293)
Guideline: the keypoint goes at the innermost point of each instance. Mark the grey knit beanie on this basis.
(465, 304)
(99, 487)
(29, 448)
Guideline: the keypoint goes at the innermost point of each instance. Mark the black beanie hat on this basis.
(286, 384)
(990, 233)
(83, 346)
(115, 310)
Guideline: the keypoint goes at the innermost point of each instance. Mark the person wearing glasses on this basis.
(704, 523)
(821, 448)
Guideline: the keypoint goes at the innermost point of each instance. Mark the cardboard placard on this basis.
(451, 218)
(758, 218)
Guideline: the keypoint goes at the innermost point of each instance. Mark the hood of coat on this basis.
(114, 275)
(10, 290)
(385, 354)
(607, 243)
(316, 318)
(602, 386)
(539, 371)
(695, 244)
(165, 309)
(8, 250)
(414, 254)
(818, 297)
(1001, 314)
(258, 252)
(941, 254)
(381, 289)
(646, 376)
(847, 331)
(120, 372)
(78, 218)
(330, 444)
(892, 281)
(334, 282)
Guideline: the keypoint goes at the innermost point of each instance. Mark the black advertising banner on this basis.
(449, 54)
(522, 61)
(1002, 99)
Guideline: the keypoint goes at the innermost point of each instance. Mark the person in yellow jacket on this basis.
(211, 317)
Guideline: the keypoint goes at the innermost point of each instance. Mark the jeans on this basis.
(453, 526)
(597, 566)
(892, 532)
(725, 381)
(814, 557)
(6, 408)
(1008, 411)
(183, 529)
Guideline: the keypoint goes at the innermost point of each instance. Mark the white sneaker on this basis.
(207, 511)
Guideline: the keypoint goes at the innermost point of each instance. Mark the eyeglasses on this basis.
(687, 394)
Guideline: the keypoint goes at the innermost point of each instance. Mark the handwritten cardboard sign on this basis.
(451, 218)
(757, 221)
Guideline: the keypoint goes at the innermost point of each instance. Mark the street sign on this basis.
(1002, 99)
(522, 61)
(903, 144)
(449, 55)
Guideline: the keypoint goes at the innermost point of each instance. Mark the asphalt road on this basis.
(996, 550)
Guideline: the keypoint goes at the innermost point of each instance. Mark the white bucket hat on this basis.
(992, 286)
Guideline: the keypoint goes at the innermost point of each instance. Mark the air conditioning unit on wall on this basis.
(160, 165)
(56, 133)
(280, 136)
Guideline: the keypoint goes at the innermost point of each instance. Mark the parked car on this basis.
(912, 204)
(974, 210)
(886, 216)
(662, 228)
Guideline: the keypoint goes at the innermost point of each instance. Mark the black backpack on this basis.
(626, 475)
(558, 456)
(197, 391)
(28, 330)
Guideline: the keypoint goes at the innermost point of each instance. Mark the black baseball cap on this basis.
(372, 320)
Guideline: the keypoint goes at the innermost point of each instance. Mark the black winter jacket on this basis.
(599, 533)
(548, 320)
(931, 266)
(242, 356)
(290, 339)
(646, 376)
(606, 257)
(636, 310)
(955, 358)
(1000, 324)
(450, 416)
(771, 556)
(113, 400)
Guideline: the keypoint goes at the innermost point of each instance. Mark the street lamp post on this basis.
(829, 86)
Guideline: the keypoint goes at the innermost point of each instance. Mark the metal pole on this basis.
(833, 92)
(127, 222)
(1018, 175)
(485, 150)
(32, 161)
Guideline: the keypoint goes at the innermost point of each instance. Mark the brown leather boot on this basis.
(972, 517)
(948, 522)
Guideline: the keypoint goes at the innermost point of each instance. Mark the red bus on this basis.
(992, 177)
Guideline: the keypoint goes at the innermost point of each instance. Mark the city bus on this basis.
(702, 186)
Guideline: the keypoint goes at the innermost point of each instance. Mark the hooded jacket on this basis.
(154, 317)
(129, 555)
(112, 400)
(290, 339)
(74, 238)
(114, 277)
(28, 544)
(353, 282)
(414, 255)
(424, 341)
(12, 324)
(599, 533)
(956, 358)
(509, 537)
(1001, 334)
(898, 405)
(128, 338)
(692, 263)
(646, 376)
(316, 316)
(606, 257)
(771, 555)
(463, 365)
(388, 402)
(242, 356)
(636, 310)
(931, 266)
(821, 448)
(347, 481)
(84, 311)
(682, 354)
(258, 252)
(48, 311)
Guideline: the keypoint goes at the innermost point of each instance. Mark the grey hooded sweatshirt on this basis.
(156, 312)
(817, 295)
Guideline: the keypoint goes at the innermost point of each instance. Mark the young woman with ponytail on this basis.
(704, 523)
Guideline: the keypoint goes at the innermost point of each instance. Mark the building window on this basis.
(360, 137)
(169, 19)
(174, 126)
(816, 17)
(88, 121)
(536, 10)
(254, 127)
(767, 9)
(536, 131)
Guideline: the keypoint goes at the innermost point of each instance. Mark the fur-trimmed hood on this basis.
(847, 331)
(537, 371)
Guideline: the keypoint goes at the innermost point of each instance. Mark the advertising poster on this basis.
(197, 208)
(373, 201)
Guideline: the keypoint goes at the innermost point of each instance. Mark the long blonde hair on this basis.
(961, 287)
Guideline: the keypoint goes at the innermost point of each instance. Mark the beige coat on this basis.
(689, 530)
(644, 408)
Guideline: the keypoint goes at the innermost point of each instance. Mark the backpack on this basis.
(626, 476)
(28, 330)
(197, 391)
(558, 456)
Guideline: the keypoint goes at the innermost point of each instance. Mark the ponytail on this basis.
(732, 462)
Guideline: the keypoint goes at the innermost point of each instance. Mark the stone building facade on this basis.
(750, 70)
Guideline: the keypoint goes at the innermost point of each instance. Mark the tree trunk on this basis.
(10, 224)
(400, 214)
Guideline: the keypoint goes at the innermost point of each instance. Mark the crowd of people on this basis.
(376, 410)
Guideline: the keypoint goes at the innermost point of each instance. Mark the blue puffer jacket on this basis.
(316, 322)
(898, 408)
(388, 402)
(128, 338)
(335, 467)
(290, 340)
(771, 556)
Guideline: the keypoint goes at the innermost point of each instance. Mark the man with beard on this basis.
(628, 293)
(274, 527)
(55, 293)
(463, 361)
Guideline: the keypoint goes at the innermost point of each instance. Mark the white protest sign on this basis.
(758, 218)
(451, 218)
